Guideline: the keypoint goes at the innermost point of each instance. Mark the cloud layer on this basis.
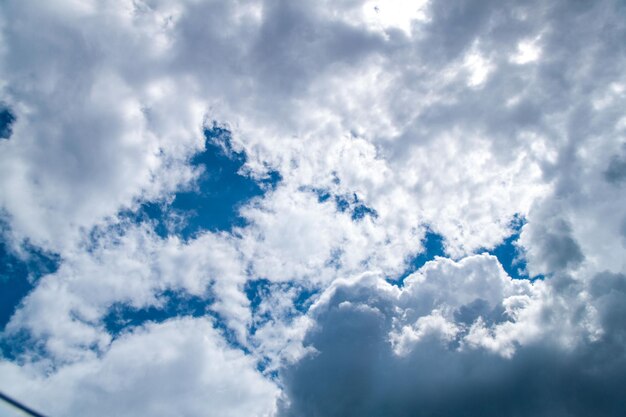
(282, 165)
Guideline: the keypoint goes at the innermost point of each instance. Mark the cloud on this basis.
(553, 247)
(85, 126)
(178, 367)
(616, 171)
(373, 357)
(132, 269)
(385, 126)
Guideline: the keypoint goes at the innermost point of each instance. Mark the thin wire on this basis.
(20, 406)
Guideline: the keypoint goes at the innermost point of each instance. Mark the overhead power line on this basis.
(20, 406)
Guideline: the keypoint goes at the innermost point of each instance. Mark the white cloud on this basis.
(394, 14)
(432, 325)
(452, 116)
(180, 367)
(527, 51)
(66, 308)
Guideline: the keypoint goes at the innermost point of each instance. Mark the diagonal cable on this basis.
(20, 406)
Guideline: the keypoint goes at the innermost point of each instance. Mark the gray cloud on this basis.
(554, 249)
(559, 248)
(616, 172)
(357, 373)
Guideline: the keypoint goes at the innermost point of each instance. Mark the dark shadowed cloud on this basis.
(355, 371)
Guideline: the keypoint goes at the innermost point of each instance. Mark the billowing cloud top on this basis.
(313, 208)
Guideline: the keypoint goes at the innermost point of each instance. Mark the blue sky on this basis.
(6, 120)
(19, 275)
(276, 209)
(212, 202)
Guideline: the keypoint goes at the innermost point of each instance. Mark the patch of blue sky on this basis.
(14, 346)
(345, 203)
(304, 299)
(19, 273)
(6, 122)
(508, 254)
(262, 367)
(258, 290)
(433, 246)
(213, 203)
(121, 316)
(334, 259)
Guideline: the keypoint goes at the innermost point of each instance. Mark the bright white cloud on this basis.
(527, 51)
(395, 14)
(180, 367)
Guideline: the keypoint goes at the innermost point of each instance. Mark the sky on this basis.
(313, 208)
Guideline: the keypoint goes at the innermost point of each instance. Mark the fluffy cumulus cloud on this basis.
(313, 208)
(180, 367)
(484, 346)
